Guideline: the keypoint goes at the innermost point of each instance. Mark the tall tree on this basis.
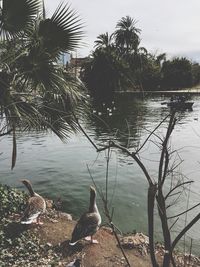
(127, 34)
(103, 40)
(35, 92)
(177, 73)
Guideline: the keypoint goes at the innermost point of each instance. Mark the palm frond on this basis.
(36, 68)
(17, 17)
(127, 35)
(47, 113)
(35, 92)
(103, 40)
(62, 32)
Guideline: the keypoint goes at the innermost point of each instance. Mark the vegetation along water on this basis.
(64, 170)
(43, 102)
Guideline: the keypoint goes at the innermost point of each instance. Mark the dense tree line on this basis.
(118, 62)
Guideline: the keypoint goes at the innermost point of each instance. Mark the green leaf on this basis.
(62, 32)
(17, 16)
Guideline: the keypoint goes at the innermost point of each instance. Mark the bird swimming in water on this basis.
(36, 205)
(88, 223)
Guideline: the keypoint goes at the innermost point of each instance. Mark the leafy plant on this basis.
(12, 200)
(36, 93)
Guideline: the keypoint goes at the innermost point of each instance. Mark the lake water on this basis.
(64, 170)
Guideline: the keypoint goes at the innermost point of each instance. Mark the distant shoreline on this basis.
(193, 90)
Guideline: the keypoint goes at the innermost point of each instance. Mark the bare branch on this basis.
(151, 134)
(84, 132)
(171, 217)
(173, 224)
(107, 213)
(152, 190)
(177, 186)
(185, 229)
(164, 147)
(8, 132)
(133, 155)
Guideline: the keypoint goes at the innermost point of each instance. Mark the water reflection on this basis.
(118, 120)
(60, 170)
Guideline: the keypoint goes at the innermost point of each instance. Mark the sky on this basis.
(171, 26)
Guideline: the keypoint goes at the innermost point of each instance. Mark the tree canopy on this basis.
(118, 62)
(36, 93)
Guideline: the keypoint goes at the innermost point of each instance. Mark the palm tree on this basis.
(103, 40)
(35, 92)
(160, 59)
(126, 34)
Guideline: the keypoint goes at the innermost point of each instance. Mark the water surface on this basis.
(59, 169)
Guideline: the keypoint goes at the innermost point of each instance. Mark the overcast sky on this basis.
(171, 26)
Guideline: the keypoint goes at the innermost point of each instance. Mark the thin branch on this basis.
(173, 223)
(109, 217)
(152, 190)
(133, 155)
(185, 229)
(177, 186)
(119, 244)
(174, 194)
(171, 217)
(107, 172)
(84, 132)
(97, 188)
(151, 134)
(129, 134)
(8, 132)
(164, 147)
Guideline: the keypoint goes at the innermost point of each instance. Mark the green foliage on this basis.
(177, 73)
(126, 35)
(118, 63)
(108, 69)
(104, 40)
(61, 32)
(12, 201)
(106, 72)
(149, 76)
(195, 73)
(18, 18)
(19, 246)
(35, 92)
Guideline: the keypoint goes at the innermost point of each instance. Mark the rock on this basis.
(133, 241)
(53, 220)
(49, 203)
(66, 215)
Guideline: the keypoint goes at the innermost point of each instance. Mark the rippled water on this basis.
(59, 169)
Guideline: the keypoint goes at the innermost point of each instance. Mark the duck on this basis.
(75, 263)
(89, 222)
(36, 206)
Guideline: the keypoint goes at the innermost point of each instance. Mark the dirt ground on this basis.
(58, 233)
(54, 236)
(47, 245)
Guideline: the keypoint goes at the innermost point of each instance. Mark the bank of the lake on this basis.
(59, 170)
(48, 244)
(186, 91)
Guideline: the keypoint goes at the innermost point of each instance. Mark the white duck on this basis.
(89, 222)
(35, 207)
